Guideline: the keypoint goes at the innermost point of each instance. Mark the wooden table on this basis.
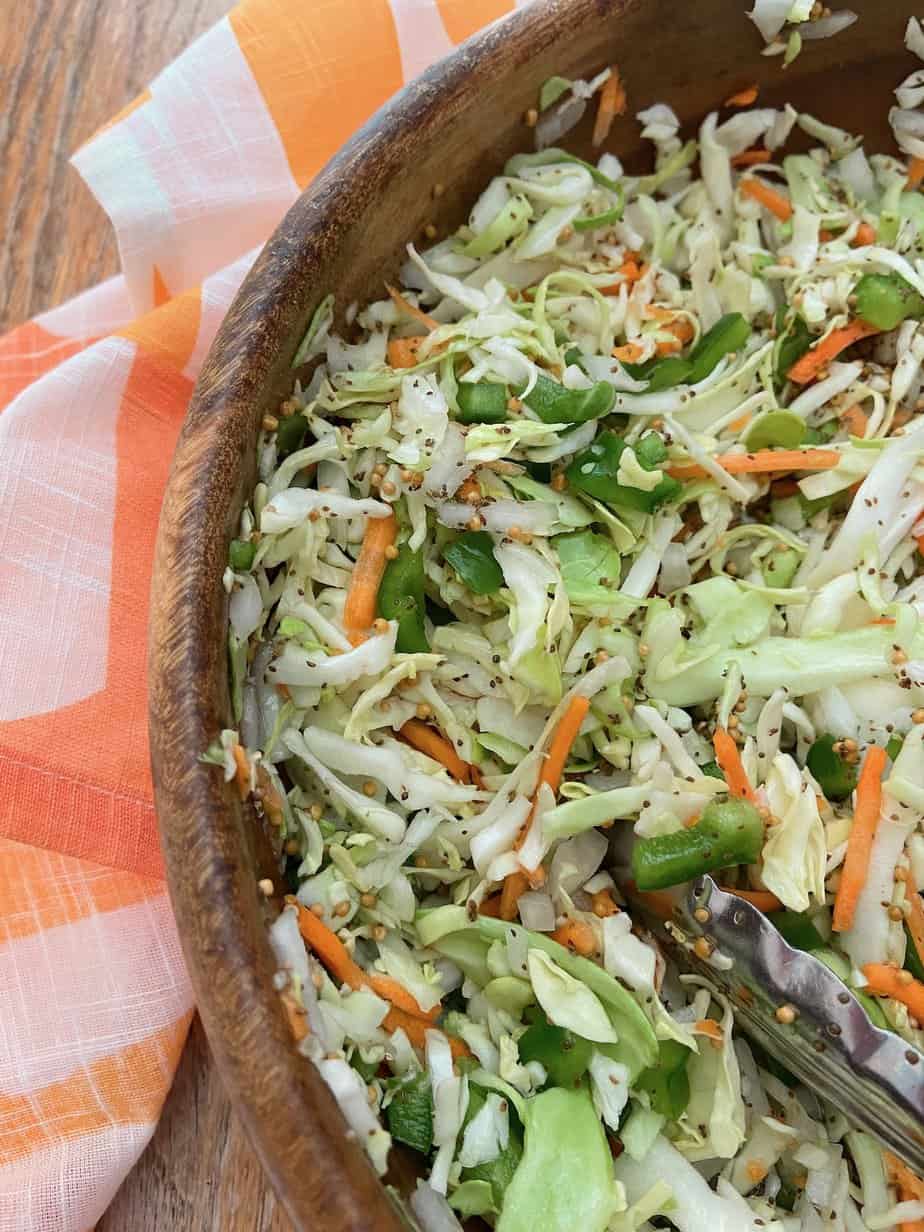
(65, 67)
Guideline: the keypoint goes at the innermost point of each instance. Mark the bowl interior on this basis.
(455, 127)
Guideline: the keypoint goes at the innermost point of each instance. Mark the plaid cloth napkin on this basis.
(194, 174)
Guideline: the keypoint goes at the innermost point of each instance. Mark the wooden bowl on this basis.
(455, 125)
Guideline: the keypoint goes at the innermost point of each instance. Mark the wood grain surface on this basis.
(66, 66)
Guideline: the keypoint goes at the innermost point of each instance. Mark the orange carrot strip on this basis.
(359, 609)
(491, 907)
(631, 353)
(426, 739)
(410, 310)
(416, 1030)
(812, 362)
(919, 540)
(330, 949)
(915, 917)
(729, 759)
(602, 905)
(577, 936)
(659, 902)
(516, 884)
(900, 1174)
(763, 900)
(886, 981)
(915, 172)
(336, 958)
(631, 272)
(743, 98)
(764, 461)
(854, 420)
(563, 738)
(612, 104)
(865, 234)
(242, 770)
(748, 158)
(860, 840)
(710, 1028)
(768, 197)
(883, 620)
(402, 352)
(399, 996)
(297, 1019)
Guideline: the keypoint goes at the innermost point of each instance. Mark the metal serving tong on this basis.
(799, 1012)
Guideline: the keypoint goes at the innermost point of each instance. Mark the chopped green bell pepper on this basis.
(401, 598)
(472, 557)
(835, 777)
(410, 1113)
(564, 1056)
(555, 404)
(594, 471)
(241, 554)
(728, 832)
(667, 1083)
(885, 300)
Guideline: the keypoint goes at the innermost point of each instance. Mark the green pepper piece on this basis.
(729, 333)
(779, 568)
(290, 434)
(590, 222)
(241, 554)
(667, 1083)
(564, 1056)
(574, 355)
(472, 557)
(798, 930)
(885, 300)
(713, 769)
(594, 471)
(401, 598)
(822, 434)
(835, 778)
(651, 451)
(791, 345)
(781, 428)
(729, 832)
(481, 402)
(410, 1114)
(555, 404)
(912, 957)
(894, 747)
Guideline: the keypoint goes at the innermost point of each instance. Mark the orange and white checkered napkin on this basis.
(94, 997)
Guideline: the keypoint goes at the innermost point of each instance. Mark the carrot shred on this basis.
(516, 884)
(762, 462)
(915, 172)
(336, 958)
(491, 907)
(399, 996)
(359, 609)
(416, 1030)
(241, 770)
(297, 1019)
(860, 840)
(602, 904)
(768, 197)
(885, 981)
(630, 270)
(402, 352)
(743, 98)
(576, 935)
(330, 949)
(612, 104)
(854, 420)
(902, 1176)
(915, 917)
(812, 362)
(865, 234)
(562, 740)
(763, 900)
(748, 158)
(883, 620)
(630, 353)
(919, 540)
(426, 739)
(729, 759)
(710, 1029)
(410, 310)
(659, 902)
